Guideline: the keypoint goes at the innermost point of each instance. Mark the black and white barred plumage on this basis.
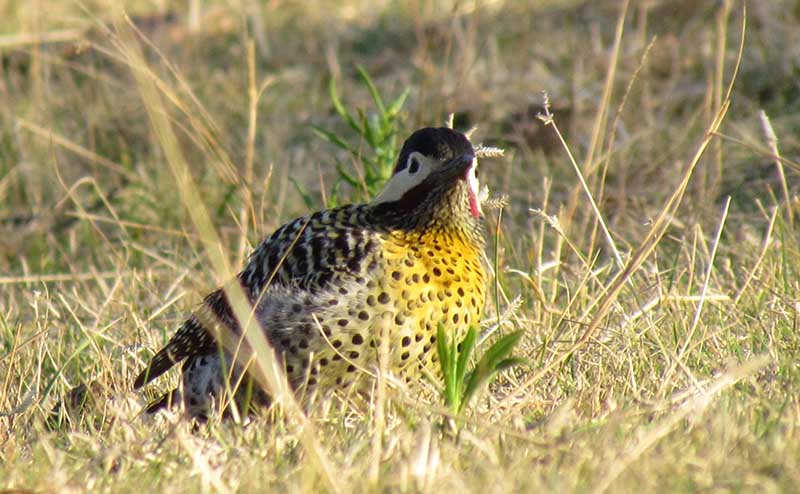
(323, 285)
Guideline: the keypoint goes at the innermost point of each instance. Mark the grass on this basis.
(655, 284)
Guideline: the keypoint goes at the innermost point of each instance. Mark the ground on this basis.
(656, 278)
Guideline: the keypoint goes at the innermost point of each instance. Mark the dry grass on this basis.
(657, 286)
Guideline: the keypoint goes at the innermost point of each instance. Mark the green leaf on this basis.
(501, 348)
(333, 139)
(307, 199)
(345, 175)
(467, 344)
(340, 109)
(492, 362)
(373, 91)
(511, 362)
(397, 104)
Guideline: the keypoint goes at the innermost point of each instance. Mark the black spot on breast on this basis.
(371, 301)
(396, 275)
(455, 318)
(383, 298)
(342, 322)
(426, 278)
(336, 343)
(353, 355)
(404, 356)
(437, 272)
(357, 339)
(363, 315)
(351, 368)
(460, 292)
(405, 341)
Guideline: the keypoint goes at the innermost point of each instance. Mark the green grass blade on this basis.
(333, 139)
(467, 345)
(373, 91)
(500, 349)
(340, 109)
(444, 362)
(397, 104)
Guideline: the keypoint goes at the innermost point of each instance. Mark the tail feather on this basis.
(190, 339)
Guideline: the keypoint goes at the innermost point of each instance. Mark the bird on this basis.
(326, 287)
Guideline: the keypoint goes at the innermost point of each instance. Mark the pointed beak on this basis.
(456, 168)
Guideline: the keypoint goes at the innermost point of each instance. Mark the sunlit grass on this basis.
(655, 289)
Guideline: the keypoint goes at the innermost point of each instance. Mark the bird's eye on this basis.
(414, 166)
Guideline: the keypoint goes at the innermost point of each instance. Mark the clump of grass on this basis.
(678, 373)
(377, 130)
(462, 385)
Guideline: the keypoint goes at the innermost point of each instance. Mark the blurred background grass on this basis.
(99, 260)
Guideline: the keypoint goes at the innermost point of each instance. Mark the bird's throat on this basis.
(473, 191)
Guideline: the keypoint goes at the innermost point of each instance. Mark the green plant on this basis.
(377, 130)
(461, 385)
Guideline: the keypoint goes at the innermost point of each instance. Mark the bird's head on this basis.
(434, 182)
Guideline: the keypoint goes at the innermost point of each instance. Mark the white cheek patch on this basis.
(404, 180)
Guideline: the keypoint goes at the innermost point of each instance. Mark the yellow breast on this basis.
(435, 278)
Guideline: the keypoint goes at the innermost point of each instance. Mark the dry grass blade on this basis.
(650, 241)
(694, 406)
(107, 241)
(772, 141)
(268, 372)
